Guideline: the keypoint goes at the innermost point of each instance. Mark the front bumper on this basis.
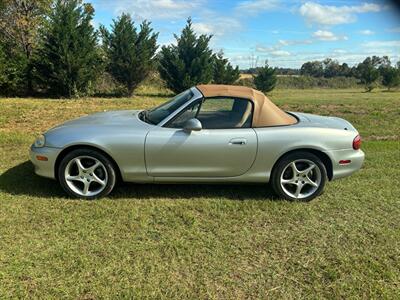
(356, 158)
(44, 168)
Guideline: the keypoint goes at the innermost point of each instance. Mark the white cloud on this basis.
(339, 51)
(274, 51)
(324, 35)
(203, 28)
(333, 15)
(253, 7)
(294, 42)
(260, 48)
(382, 44)
(367, 32)
(156, 9)
(219, 26)
(279, 53)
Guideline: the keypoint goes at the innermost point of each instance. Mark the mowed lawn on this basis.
(202, 241)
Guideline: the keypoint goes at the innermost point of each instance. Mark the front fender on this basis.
(124, 145)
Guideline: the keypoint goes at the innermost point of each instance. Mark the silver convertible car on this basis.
(207, 134)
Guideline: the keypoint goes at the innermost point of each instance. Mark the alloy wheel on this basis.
(85, 175)
(300, 179)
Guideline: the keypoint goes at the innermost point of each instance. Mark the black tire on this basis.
(282, 165)
(110, 173)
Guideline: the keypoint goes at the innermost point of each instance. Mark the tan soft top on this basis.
(265, 113)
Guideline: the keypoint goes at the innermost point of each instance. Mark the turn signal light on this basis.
(42, 158)
(357, 142)
(344, 161)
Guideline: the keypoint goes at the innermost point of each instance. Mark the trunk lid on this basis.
(324, 121)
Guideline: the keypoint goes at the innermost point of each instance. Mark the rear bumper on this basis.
(356, 158)
(44, 168)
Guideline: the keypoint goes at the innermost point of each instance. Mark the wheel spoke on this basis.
(73, 178)
(98, 180)
(86, 185)
(298, 190)
(94, 167)
(79, 165)
(294, 168)
(310, 182)
(308, 170)
(288, 181)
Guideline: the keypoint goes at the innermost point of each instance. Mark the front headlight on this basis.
(40, 141)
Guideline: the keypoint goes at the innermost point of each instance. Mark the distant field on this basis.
(202, 241)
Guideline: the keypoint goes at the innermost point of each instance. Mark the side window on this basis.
(187, 114)
(222, 113)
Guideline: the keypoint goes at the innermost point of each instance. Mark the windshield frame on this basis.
(195, 96)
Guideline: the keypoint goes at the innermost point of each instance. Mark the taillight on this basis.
(357, 142)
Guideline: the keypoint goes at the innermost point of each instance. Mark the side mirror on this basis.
(192, 125)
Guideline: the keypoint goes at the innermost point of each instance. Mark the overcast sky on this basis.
(286, 33)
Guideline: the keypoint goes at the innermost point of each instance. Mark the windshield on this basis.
(156, 115)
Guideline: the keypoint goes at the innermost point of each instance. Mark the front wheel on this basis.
(87, 174)
(299, 176)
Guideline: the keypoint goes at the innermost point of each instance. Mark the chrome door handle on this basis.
(238, 142)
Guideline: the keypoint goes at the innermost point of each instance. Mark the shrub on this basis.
(265, 80)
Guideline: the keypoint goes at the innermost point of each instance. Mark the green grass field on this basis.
(202, 241)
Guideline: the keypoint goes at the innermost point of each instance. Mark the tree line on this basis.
(51, 47)
(369, 71)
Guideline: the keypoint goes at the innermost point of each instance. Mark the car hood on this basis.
(324, 121)
(97, 127)
(111, 118)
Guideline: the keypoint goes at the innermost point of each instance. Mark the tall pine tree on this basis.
(223, 72)
(188, 63)
(265, 80)
(130, 54)
(67, 60)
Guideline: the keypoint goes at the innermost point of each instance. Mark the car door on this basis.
(223, 148)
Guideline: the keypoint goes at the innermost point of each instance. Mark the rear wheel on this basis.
(86, 173)
(299, 176)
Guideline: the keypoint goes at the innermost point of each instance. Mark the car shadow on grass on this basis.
(21, 180)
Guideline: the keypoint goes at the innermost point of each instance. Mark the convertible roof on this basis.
(265, 113)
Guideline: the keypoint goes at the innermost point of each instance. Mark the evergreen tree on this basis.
(130, 55)
(265, 80)
(68, 60)
(188, 63)
(223, 72)
(12, 67)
